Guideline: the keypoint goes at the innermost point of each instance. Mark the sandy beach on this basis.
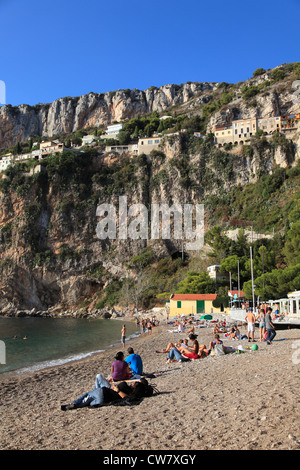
(247, 401)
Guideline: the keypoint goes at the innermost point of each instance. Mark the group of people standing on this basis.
(266, 327)
(147, 324)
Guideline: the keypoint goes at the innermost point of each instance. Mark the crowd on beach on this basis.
(127, 380)
(182, 351)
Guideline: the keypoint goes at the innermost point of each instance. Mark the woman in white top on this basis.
(262, 324)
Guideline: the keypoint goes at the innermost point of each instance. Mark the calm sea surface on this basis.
(55, 341)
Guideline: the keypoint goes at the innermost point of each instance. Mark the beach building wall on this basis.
(186, 304)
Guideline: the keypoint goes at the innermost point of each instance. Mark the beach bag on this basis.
(219, 350)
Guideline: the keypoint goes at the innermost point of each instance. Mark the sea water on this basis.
(32, 344)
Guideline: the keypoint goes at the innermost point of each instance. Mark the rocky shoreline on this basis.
(57, 312)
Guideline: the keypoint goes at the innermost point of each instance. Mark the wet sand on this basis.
(247, 401)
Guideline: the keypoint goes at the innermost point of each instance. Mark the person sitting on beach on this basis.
(191, 330)
(186, 353)
(135, 362)
(217, 340)
(233, 334)
(119, 369)
(105, 392)
(172, 345)
(192, 352)
(176, 356)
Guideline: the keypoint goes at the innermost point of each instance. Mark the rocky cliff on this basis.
(50, 255)
(67, 115)
(49, 250)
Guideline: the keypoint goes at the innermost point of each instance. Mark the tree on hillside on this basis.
(292, 244)
(197, 283)
(258, 72)
(275, 284)
(219, 243)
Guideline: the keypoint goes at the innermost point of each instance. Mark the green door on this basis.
(200, 306)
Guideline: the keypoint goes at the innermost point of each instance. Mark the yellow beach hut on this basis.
(186, 304)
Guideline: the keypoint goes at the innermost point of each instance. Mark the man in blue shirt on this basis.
(135, 362)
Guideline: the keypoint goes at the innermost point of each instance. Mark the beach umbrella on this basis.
(206, 317)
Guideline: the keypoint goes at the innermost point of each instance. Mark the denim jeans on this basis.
(95, 397)
(270, 335)
(175, 354)
(101, 382)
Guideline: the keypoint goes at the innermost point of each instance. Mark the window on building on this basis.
(178, 303)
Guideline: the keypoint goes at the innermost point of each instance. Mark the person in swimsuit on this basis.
(192, 352)
(123, 336)
(250, 319)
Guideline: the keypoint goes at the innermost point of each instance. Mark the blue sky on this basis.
(57, 48)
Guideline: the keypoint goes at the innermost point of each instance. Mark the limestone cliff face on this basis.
(49, 252)
(66, 115)
(278, 99)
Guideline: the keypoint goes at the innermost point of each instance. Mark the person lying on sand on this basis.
(104, 392)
